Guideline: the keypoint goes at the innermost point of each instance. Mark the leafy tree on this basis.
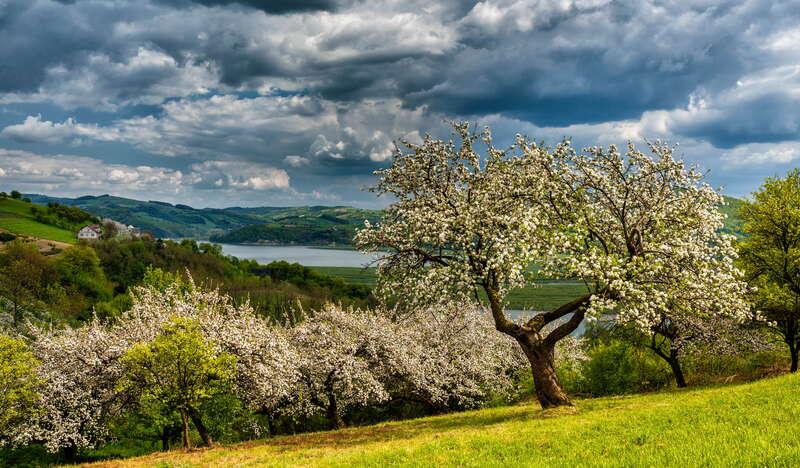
(80, 273)
(178, 371)
(771, 256)
(16, 195)
(24, 278)
(110, 230)
(641, 231)
(18, 385)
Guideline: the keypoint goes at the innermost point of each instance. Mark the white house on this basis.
(90, 232)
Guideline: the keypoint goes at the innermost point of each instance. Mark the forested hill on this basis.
(313, 225)
(304, 225)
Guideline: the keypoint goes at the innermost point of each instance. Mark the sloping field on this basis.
(16, 217)
(756, 424)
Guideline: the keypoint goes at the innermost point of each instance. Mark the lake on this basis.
(307, 256)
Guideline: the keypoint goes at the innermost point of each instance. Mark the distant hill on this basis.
(311, 225)
(304, 225)
(733, 223)
(308, 225)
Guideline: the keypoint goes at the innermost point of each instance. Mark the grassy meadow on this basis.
(16, 217)
(544, 295)
(753, 424)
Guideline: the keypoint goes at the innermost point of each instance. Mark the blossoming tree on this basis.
(641, 231)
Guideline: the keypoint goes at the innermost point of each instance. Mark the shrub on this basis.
(616, 367)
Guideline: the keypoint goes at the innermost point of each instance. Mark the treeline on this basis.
(71, 218)
(95, 278)
(289, 234)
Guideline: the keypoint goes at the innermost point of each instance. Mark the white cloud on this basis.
(238, 175)
(296, 161)
(35, 130)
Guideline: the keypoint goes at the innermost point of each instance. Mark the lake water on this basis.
(307, 256)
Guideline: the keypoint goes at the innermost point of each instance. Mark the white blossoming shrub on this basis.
(446, 357)
(459, 359)
(81, 366)
(79, 369)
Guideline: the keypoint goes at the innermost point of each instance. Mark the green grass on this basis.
(753, 424)
(545, 295)
(16, 217)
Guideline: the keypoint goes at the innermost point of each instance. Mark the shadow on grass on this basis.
(402, 430)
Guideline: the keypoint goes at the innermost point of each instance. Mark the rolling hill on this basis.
(16, 217)
(750, 424)
(303, 225)
(311, 225)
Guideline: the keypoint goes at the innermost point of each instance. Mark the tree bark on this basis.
(201, 428)
(185, 430)
(548, 389)
(794, 350)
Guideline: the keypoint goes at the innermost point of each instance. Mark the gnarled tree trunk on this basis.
(794, 350)
(542, 359)
(334, 416)
(539, 349)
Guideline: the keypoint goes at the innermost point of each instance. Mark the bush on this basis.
(616, 367)
(7, 237)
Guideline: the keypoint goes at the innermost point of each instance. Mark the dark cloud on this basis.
(268, 6)
(321, 87)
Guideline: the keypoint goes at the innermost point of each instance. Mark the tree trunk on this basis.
(545, 381)
(70, 453)
(165, 436)
(270, 424)
(333, 412)
(201, 428)
(675, 365)
(793, 351)
(185, 429)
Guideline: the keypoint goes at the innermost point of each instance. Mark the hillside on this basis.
(317, 225)
(16, 217)
(313, 225)
(733, 223)
(740, 425)
(159, 218)
(304, 225)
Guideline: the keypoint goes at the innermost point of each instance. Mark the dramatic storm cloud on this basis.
(217, 102)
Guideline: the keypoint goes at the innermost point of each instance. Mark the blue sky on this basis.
(222, 103)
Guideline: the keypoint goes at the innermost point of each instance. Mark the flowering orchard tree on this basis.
(178, 370)
(455, 358)
(445, 357)
(641, 231)
(679, 335)
(80, 368)
(346, 357)
(266, 363)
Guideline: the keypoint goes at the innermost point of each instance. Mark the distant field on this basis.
(15, 217)
(544, 296)
(752, 424)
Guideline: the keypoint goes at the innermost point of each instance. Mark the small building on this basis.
(90, 232)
